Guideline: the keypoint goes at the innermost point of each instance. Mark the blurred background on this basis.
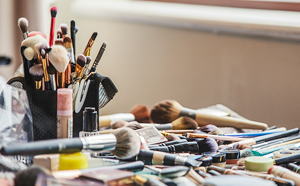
(242, 54)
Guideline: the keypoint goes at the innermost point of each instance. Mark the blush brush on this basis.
(169, 110)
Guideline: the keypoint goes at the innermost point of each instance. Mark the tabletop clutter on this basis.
(166, 145)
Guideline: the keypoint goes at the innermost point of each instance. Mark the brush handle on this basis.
(52, 27)
(217, 137)
(131, 166)
(105, 121)
(73, 38)
(68, 145)
(187, 147)
(167, 126)
(220, 121)
(277, 135)
(286, 159)
(251, 135)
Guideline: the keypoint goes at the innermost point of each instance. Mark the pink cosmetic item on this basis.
(64, 113)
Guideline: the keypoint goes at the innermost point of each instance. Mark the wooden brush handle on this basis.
(219, 121)
(104, 121)
(217, 137)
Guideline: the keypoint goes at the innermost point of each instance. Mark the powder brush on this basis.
(169, 110)
(123, 143)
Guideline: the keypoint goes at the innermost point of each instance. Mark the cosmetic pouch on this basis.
(43, 104)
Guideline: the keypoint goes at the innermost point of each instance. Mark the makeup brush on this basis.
(72, 31)
(80, 63)
(86, 67)
(106, 120)
(181, 123)
(23, 25)
(41, 50)
(37, 74)
(217, 137)
(141, 113)
(52, 72)
(58, 56)
(67, 42)
(99, 55)
(255, 140)
(207, 145)
(169, 110)
(64, 29)
(186, 147)
(30, 44)
(28, 177)
(172, 137)
(58, 33)
(89, 45)
(123, 143)
(53, 12)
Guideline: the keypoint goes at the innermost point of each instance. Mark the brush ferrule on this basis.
(102, 142)
(167, 126)
(52, 82)
(88, 47)
(38, 84)
(191, 113)
(25, 35)
(46, 75)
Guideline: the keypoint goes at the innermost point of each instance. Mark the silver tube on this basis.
(103, 142)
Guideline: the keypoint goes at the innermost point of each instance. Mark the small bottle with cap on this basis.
(232, 156)
(219, 160)
(90, 122)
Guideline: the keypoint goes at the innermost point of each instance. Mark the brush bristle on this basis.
(76, 29)
(58, 41)
(37, 72)
(128, 143)
(207, 145)
(41, 46)
(51, 70)
(64, 28)
(241, 162)
(23, 24)
(59, 33)
(118, 124)
(172, 137)
(81, 60)
(29, 53)
(28, 176)
(34, 33)
(94, 35)
(183, 123)
(88, 59)
(246, 153)
(53, 11)
(58, 56)
(32, 41)
(165, 112)
(134, 125)
(141, 113)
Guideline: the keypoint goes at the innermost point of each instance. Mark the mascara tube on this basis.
(64, 113)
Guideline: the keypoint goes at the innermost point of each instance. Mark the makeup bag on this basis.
(43, 104)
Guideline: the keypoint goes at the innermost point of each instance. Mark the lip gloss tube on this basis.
(64, 113)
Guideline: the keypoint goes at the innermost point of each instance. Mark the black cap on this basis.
(206, 161)
(219, 158)
(90, 122)
(231, 153)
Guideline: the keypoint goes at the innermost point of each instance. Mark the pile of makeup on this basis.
(166, 145)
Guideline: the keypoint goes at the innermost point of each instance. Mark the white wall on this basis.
(255, 76)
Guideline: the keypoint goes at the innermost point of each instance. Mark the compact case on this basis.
(43, 104)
